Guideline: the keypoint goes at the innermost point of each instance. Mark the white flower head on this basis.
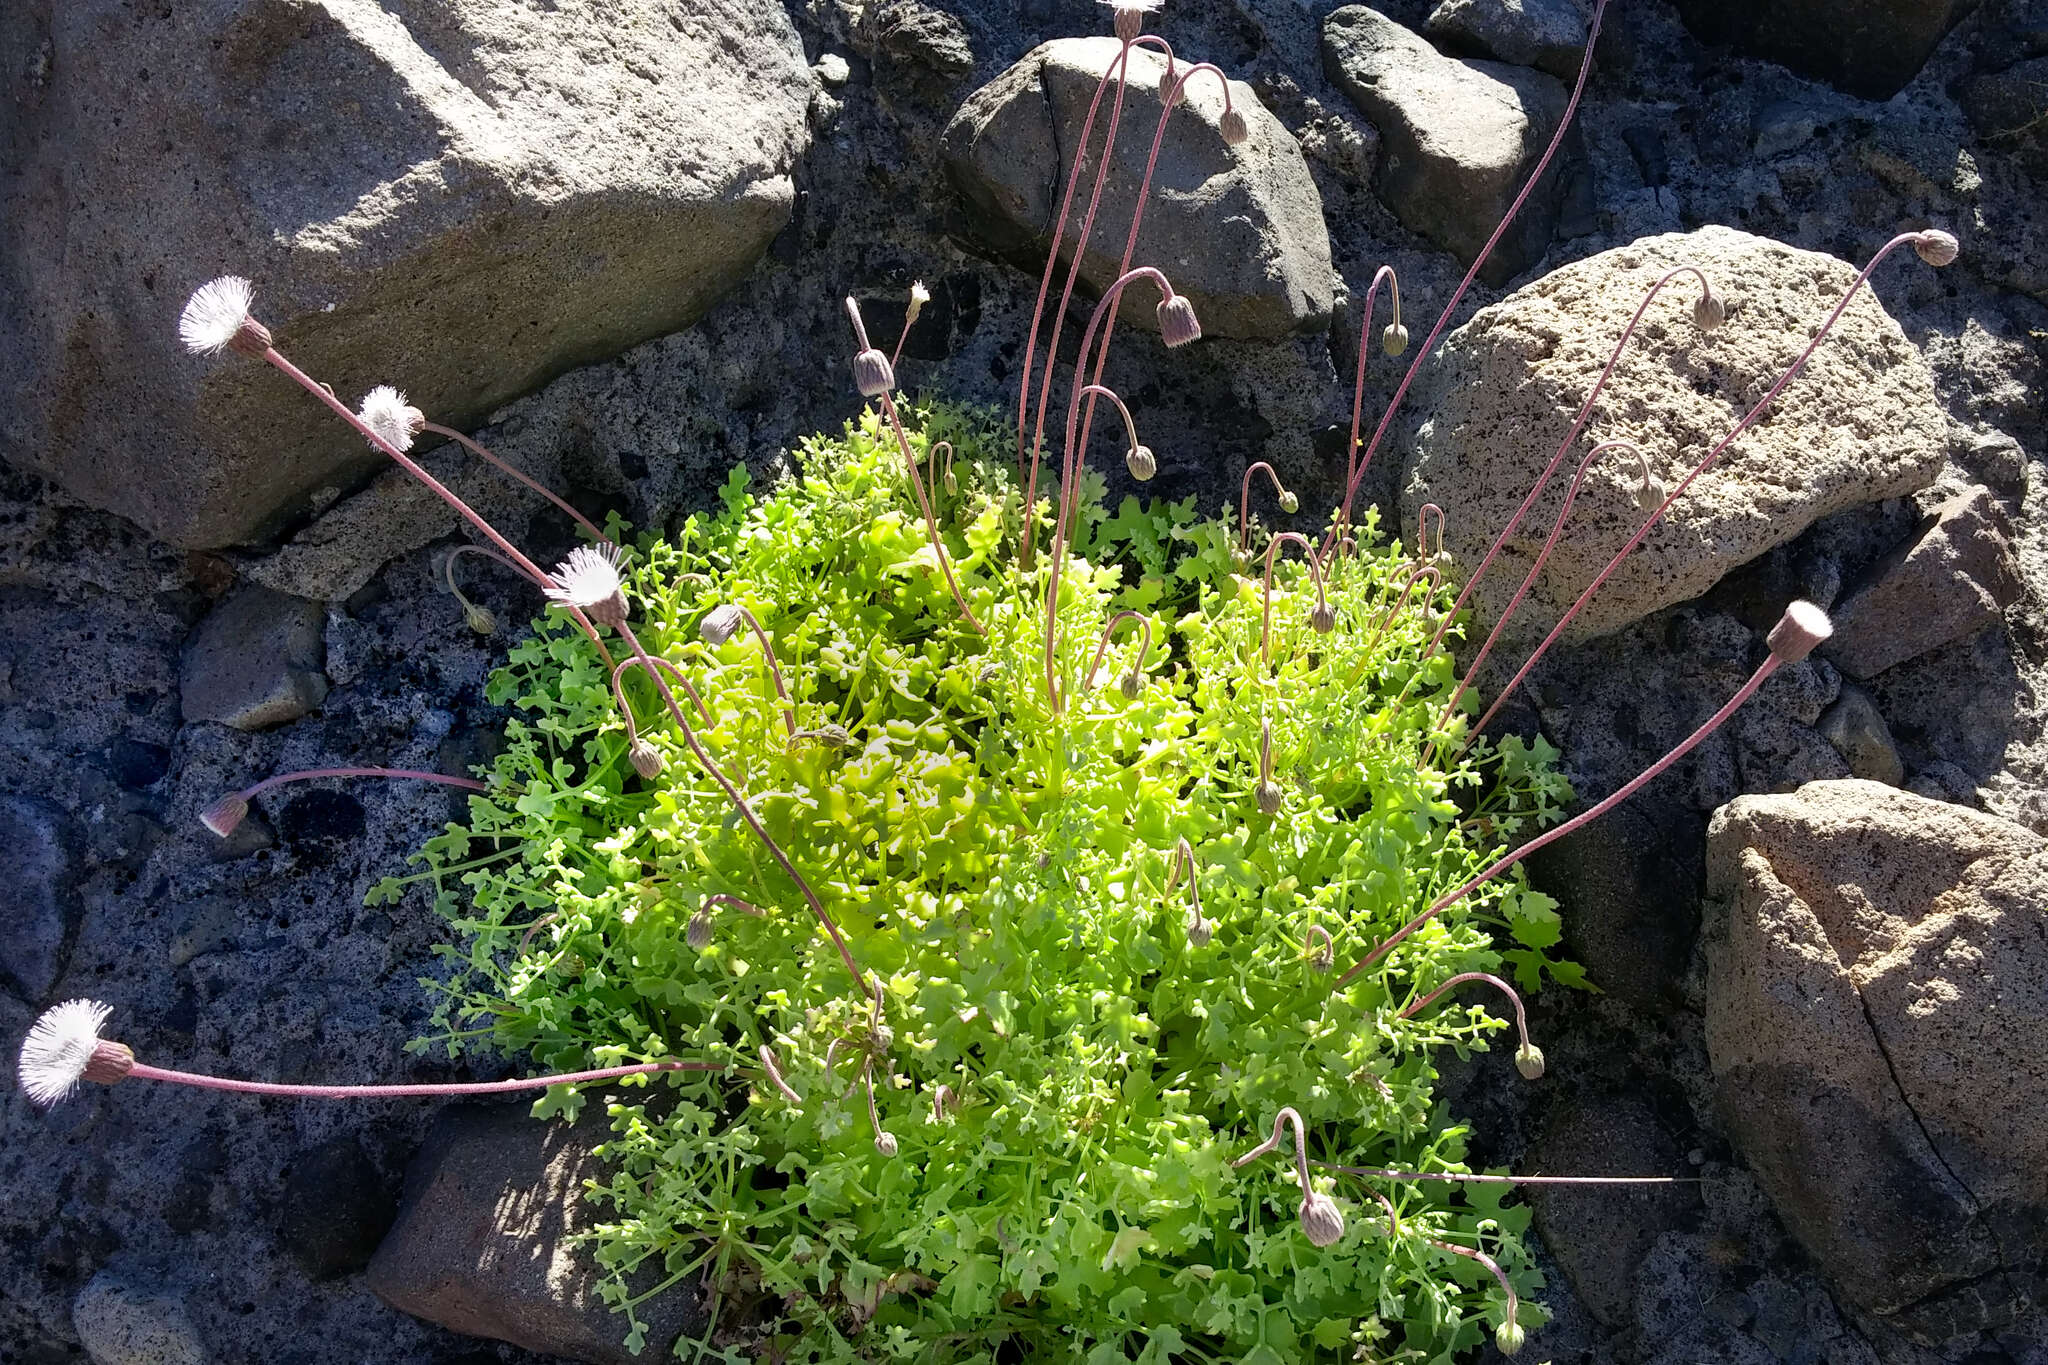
(58, 1049)
(1130, 15)
(919, 295)
(589, 580)
(385, 411)
(214, 315)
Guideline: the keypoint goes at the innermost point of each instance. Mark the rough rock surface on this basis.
(255, 661)
(1869, 48)
(1876, 995)
(1458, 137)
(1239, 230)
(482, 1241)
(1856, 728)
(39, 847)
(1860, 423)
(1549, 35)
(124, 1321)
(468, 199)
(1953, 580)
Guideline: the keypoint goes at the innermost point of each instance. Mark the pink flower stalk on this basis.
(479, 619)
(1137, 456)
(1436, 578)
(722, 623)
(1135, 678)
(772, 1068)
(1289, 503)
(1321, 1220)
(1267, 793)
(224, 816)
(1199, 929)
(1940, 251)
(1802, 628)
(885, 396)
(919, 297)
(64, 1047)
(1472, 273)
(1528, 1057)
(697, 933)
(1394, 340)
(1422, 551)
(1320, 617)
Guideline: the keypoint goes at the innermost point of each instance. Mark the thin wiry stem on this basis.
(396, 1092)
(1478, 262)
(1460, 1178)
(1315, 569)
(1521, 1016)
(477, 449)
(1244, 502)
(1707, 462)
(774, 667)
(1102, 645)
(1385, 274)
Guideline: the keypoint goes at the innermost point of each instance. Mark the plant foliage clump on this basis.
(1094, 966)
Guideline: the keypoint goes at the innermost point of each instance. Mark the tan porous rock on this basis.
(1876, 1004)
(1239, 230)
(1860, 423)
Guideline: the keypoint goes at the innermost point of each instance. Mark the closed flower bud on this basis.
(1289, 503)
(1708, 312)
(1326, 956)
(1936, 247)
(1394, 340)
(1199, 931)
(1650, 494)
(1234, 129)
(1178, 324)
(721, 624)
(1139, 460)
(1321, 1220)
(885, 1143)
(1130, 685)
(872, 374)
(648, 762)
(1323, 619)
(952, 482)
(1529, 1061)
(1509, 1338)
(1269, 797)
(480, 619)
(698, 933)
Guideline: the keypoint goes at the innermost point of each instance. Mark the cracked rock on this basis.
(1876, 997)
(1950, 582)
(255, 662)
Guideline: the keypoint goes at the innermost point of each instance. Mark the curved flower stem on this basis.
(1379, 1173)
(1315, 569)
(1763, 405)
(1521, 1016)
(1102, 646)
(772, 1068)
(775, 668)
(445, 779)
(1384, 274)
(1093, 391)
(1435, 577)
(924, 505)
(1578, 425)
(641, 662)
(1491, 1264)
(1070, 484)
(392, 1092)
(477, 449)
(1478, 262)
(1244, 503)
(1529, 580)
(931, 461)
(1552, 835)
(1184, 855)
(1422, 530)
(739, 802)
(1287, 1115)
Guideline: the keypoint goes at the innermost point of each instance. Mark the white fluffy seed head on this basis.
(589, 580)
(1129, 16)
(58, 1048)
(214, 314)
(1802, 629)
(385, 411)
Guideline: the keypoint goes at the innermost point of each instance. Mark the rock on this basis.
(482, 1244)
(1876, 997)
(1549, 35)
(1602, 1235)
(254, 662)
(1859, 734)
(2009, 110)
(122, 1322)
(912, 31)
(1860, 423)
(210, 925)
(1458, 138)
(1239, 230)
(465, 202)
(1942, 780)
(136, 763)
(337, 1208)
(1628, 888)
(1870, 48)
(1994, 459)
(1952, 581)
(40, 850)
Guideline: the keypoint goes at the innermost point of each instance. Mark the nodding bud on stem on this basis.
(698, 934)
(1936, 247)
(645, 758)
(1267, 793)
(1289, 503)
(945, 1103)
(1529, 1061)
(1801, 630)
(480, 619)
(720, 624)
(1139, 460)
(225, 816)
(1394, 340)
(1131, 684)
(1509, 1337)
(1323, 618)
(1234, 129)
(1321, 1220)
(1325, 955)
(1708, 312)
(1178, 324)
(833, 736)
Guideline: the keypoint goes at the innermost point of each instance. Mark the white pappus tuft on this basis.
(589, 580)
(214, 314)
(58, 1048)
(385, 411)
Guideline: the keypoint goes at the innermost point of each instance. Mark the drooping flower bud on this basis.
(1936, 247)
(885, 1143)
(224, 816)
(873, 375)
(698, 932)
(1234, 129)
(1708, 312)
(1321, 1220)
(1270, 798)
(1323, 619)
(480, 619)
(1508, 1338)
(648, 762)
(1529, 1061)
(1131, 685)
(1289, 503)
(1139, 460)
(720, 624)
(1178, 324)
(1394, 340)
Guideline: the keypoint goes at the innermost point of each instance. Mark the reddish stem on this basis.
(1315, 569)
(1244, 502)
(1386, 273)
(477, 449)
(470, 783)
(1521, 1017)
(374, 1092)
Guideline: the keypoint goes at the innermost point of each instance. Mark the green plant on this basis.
(1026, 1132)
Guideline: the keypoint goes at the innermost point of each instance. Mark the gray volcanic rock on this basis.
(1876, 998)
(255, 661)
(1869, 48)
(1953, 580)
(1239, 230)
(124, 1321)
(465, 200)
(1549, 35)
(1859, 424)
(1459, 138)
(40, 848)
